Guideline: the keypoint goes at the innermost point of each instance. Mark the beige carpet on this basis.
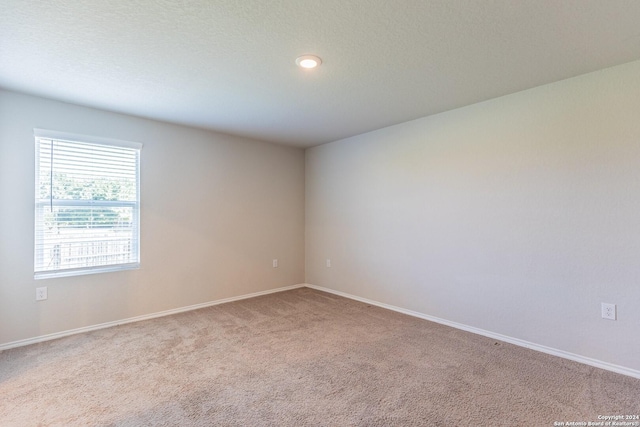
(299, 358)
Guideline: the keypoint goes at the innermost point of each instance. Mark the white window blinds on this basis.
(87, 204)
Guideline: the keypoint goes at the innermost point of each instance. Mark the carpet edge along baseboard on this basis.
(516, 341)
(61, 334)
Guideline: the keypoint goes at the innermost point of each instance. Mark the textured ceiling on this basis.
(229, 65)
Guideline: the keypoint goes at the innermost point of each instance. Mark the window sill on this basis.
(84, 271)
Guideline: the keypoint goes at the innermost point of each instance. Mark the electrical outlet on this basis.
(41, 293)
(275, 263)
(328, 263)
(608, 311)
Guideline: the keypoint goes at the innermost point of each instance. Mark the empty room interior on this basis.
(320, 212)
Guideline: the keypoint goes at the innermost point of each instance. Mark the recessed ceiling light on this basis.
(308, 61)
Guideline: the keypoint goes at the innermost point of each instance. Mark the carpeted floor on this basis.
(297, 358)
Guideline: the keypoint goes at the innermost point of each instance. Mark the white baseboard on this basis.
(544, 349)
(56, 335)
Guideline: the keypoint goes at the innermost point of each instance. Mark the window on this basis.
(87, 202)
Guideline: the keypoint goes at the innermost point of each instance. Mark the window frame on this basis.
(86, 139)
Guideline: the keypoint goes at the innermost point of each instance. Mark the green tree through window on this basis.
(87, 204)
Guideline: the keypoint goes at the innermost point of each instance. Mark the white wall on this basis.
(518, 216)
(215, 210)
